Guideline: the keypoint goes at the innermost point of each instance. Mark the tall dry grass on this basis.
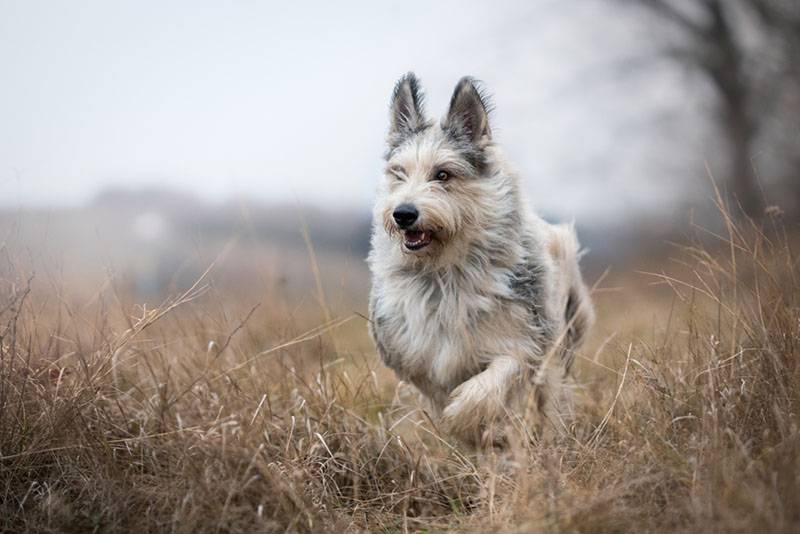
(203, 415)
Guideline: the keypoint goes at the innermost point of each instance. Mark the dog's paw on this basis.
(472, 410)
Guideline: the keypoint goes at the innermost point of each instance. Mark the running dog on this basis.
(475, 300)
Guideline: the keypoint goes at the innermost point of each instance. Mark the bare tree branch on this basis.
(668, 10)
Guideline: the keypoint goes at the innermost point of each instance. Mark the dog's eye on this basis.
(442, 176)
(398, 173)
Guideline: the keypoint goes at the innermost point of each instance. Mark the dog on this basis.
(475, 300)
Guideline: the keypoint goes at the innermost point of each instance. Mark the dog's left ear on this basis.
(468, 115)
(407, 113)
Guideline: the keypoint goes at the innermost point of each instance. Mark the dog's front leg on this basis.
(482, 399)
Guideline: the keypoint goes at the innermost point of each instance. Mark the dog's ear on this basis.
(468, 115)
(407, 114)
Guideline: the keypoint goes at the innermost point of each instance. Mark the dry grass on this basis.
(204, 415)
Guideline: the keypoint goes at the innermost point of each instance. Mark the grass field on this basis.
(211, 412)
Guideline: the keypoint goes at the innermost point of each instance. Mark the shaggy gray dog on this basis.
(475, 300)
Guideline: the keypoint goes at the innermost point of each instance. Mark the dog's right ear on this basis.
(407, 114)
(468, 115)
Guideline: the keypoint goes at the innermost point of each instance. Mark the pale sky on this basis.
(289, 101)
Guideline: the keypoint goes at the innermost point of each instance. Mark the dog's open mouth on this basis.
(417, 239)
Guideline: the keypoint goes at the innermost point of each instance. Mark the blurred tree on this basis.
(749, 52)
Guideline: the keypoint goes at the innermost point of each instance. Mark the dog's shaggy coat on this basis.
(475, 300)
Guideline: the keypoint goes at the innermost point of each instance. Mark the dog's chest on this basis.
(436, 328)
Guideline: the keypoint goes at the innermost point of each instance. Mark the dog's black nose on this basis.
(405, 215)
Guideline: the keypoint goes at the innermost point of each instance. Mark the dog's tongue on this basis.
(415, 235)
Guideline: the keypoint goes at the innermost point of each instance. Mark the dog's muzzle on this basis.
(405, 216)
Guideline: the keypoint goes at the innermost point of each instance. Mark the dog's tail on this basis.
(573, 300)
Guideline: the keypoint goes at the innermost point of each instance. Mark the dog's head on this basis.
(435, 178)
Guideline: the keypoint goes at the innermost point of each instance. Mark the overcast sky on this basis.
(288, 101)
